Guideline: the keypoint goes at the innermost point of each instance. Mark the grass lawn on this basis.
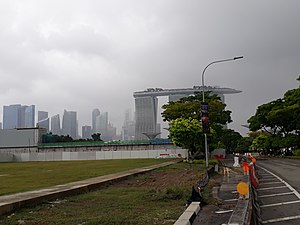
(26, 176)
(157, 197)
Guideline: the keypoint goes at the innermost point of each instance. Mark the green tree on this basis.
(281, 119)
(96, 137)
(230, 139)
(244, 145)
(281, 116)
(186, 133)
(189, 109)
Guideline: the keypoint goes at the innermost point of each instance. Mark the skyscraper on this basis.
(69, 123)
(95, 114)
(21, 116)
(102, 123)
(29, 116)
(86, 132)
(44, 124)
(42, 115)
(128, 129)
(43, 120)
(55, 125)
(146, 106)
(18, 116)
(146, 116)
(11, 116)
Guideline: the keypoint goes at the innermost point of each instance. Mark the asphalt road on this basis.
(278, 192)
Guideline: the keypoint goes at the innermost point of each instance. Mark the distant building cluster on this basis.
(143, 124)
(23, 116)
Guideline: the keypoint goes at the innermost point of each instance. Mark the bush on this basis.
(296, 152)
(173, 193)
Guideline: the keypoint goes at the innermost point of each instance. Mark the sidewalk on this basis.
(226, 194)
(9, 203)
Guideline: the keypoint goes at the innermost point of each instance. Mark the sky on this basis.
(84, 54)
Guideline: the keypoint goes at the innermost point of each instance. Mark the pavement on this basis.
(9, 203)
(227, 196)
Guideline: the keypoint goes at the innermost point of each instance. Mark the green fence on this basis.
(100, 143)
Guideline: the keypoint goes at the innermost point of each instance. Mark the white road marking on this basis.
(272, 195)
(269, 188)
(269, 180)
(281, 219)
(293, 191)
(280, 203)
(287, 184)
(224, 211)
(275, 182)
(231, 200)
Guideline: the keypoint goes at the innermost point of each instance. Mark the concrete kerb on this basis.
(10, 203)
(240, 216)
(189, 215)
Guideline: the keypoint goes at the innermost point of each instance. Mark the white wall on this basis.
(88, 155)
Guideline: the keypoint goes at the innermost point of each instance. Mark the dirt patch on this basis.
(174, 176)
(161, 179)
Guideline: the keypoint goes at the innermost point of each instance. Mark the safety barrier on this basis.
(247, 210)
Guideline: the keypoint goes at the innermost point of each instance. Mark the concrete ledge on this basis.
(9, 203)
(189, 214)
(239, 214)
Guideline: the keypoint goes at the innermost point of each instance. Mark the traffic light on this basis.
(204, 118)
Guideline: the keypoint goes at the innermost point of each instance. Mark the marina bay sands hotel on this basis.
(146, 106)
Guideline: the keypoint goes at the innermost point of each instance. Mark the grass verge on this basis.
(158, 197)
(27, 176)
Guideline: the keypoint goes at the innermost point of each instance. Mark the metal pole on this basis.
(203, 99)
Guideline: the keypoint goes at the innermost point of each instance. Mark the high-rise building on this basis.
(146, 117)
(86, 132)
(11, 116)
(18, 116)
(43, 120)
(55, 125)
(21, 116)
(69, 123)
(102, 124)
(128, 129)
(146, 106)
(95, 114)
(44, 123)
(42, 115)
(29, 116)
(111, 133)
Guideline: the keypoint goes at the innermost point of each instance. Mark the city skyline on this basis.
(80, 55)
(53, 123)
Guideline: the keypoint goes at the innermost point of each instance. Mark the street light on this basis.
(203, 100)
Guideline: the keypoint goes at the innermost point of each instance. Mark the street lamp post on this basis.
(203, 99)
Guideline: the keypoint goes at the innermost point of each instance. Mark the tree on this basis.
(96, 137)
(186, 133)
(244, 145)
(281, 119)
(189, 107)
(281, 116)
(230, 139)
(187, 110)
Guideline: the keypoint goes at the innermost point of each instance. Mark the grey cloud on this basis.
(80, 39)
(80, 55)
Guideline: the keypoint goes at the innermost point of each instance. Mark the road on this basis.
(278, 192)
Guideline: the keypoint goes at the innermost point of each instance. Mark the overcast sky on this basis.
(79, 55)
